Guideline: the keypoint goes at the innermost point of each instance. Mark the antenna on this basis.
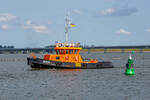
(67, 26)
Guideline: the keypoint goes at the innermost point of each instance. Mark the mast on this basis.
(67, 26)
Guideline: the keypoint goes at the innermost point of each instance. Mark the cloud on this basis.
(4, 26)
(126, 11)
(108, 11)
(28, 22)
(76, 11)
(40, 28)
(7, 17)
(123, 31)
(148, 30)
(35, 27)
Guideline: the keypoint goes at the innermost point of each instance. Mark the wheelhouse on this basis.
(64, 48)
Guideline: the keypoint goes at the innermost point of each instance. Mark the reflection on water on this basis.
(19, 82)
(66, 70)
(56, 70)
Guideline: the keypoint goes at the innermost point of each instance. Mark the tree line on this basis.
(7, 46)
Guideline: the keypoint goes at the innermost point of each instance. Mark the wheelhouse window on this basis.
(67, 51)
(71, 51)
(75, 51)
(62, 52)
(57, 51)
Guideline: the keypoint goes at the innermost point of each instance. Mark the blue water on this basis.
(19, 82)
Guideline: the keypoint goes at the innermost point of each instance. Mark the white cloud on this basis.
(4, 26)
(125, 11)
(148, 30)
(35, 27)
(40, 28)
(76, 11)
(28, 22)
(7, 17)
(108, 11)
(123, 31)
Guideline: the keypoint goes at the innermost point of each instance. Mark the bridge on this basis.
(120, 47)
(26, 50)
(89, 49)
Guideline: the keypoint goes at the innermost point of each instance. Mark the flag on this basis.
(72, 25)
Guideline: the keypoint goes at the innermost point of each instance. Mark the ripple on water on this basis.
(19, 82)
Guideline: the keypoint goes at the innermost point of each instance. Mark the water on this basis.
(19, 82)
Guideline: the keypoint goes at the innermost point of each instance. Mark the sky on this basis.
(38, 23)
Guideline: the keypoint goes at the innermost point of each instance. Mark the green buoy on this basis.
(129, 67)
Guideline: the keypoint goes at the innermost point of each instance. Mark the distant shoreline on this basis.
(114, 50)
(108, 49)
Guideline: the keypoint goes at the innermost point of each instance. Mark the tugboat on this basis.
(67, 57)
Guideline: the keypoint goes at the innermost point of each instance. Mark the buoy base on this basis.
(130, 72)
